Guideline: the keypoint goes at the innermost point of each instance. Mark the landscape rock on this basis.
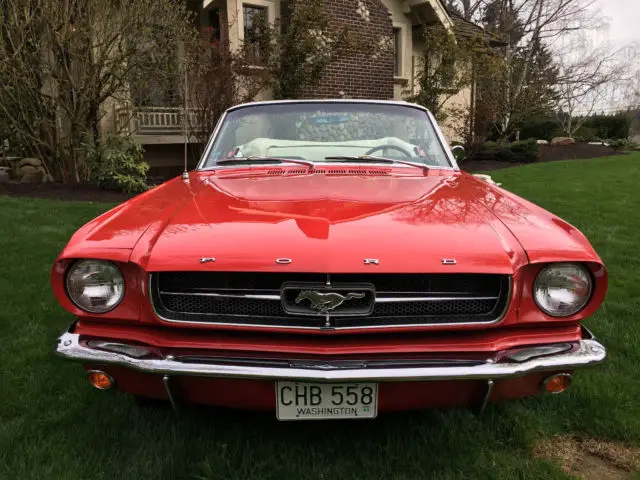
(25, 169)
(33, 177)
(543, 142)
(34, 162)
(558, 141)
(33, 174)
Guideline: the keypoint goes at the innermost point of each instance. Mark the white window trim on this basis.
(402, 70)
(273, 12)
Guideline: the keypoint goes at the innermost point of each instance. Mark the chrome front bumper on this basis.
(509, 363)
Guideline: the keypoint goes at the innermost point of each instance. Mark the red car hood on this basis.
(247, 219)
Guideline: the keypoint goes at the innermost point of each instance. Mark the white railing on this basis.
(154, 120)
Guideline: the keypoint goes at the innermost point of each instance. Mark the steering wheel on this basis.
(389, 147)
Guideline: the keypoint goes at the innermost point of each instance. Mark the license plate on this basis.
(322, 401)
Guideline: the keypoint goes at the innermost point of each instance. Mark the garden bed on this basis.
(88, 193)
(547, 154)
(57, 191)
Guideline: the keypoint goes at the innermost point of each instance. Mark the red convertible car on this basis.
(328, 259)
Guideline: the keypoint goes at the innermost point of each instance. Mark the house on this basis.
(388, 75)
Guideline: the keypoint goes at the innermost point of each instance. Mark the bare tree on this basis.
(448, 66)
(528, 27)
(63, 60)
(217, 78)
(469, 9)
(588, 78)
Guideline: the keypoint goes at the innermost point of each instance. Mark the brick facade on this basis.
(359, 76)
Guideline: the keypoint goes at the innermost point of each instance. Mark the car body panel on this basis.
(482, 342)
(330, 219)
(408, 221)
(259, 395)
(331, 223)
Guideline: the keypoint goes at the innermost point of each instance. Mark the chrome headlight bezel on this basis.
(563, 272)
(115, 280)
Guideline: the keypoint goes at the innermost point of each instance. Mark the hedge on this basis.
(609, 126)
(526, 151)
(541, 128)
(595, 127)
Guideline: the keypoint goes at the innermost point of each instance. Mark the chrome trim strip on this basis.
(328, 100)
(586, 352)
(443, 142)
(214, 134)
(225, 295)
(429, 299)
(278, 297)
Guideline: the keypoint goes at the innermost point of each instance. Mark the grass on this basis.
(52, 425)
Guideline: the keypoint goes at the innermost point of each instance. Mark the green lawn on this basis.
(53, 425)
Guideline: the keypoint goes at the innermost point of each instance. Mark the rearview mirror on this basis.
(459, 152)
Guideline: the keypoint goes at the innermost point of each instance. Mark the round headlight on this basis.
(96, 286)
(562, 289)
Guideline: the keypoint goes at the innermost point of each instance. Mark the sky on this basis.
(624, 20)
(623, 30)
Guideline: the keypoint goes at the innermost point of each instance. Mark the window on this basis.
(214, 22)
(317, 130)
(253, 16)
(397, 52)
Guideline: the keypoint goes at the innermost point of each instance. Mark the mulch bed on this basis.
(56, 191)
(578, 151)
(87, 193)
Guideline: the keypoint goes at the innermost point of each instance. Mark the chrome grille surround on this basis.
(401, 300)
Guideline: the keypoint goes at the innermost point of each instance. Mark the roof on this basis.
(468, 29)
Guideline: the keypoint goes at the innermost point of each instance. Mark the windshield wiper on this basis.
(259, 159)
(372, 158)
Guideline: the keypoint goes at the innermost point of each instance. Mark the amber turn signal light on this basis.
(557, 383)
(100, 380)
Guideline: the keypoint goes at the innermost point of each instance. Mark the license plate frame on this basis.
(337, 401)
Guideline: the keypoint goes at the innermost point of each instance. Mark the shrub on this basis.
(526, 151)
(117, 163)
(541, 128)
(585, 134)
(624, 144)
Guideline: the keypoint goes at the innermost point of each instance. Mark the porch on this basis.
(156, 125)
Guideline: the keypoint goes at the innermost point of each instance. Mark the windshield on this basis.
(319, 131)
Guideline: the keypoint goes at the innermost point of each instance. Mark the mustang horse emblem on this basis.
(324, 302)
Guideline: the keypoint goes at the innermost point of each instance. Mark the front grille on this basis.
(258, 299)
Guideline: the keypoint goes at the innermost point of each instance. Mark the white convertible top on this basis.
(271, 147)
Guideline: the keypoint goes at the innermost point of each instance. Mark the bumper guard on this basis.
(510, 363)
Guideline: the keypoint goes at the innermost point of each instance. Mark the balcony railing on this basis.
(154, 120)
